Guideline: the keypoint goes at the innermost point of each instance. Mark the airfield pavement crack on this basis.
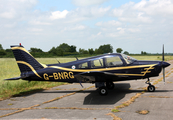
(133, 98)
(114, 116)
(72, 108)
(33, 107)
(157, 96)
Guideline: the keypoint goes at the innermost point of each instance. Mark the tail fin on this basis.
(25, 60)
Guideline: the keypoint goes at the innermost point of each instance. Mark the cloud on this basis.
(85, 14)
(74, 28)
(155, 7)
(9, 15)
(109, 23)
(144, 24)
(88, 2)
(99, 33)
(130, 13)
(58, 14)
(36, 22)
(144, 11)
(35, 30)
(95, 11)
(79, 27)
(91, 12)
(15, 8)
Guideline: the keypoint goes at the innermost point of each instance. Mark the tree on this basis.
(98, 51)
(91, 51)
(143, 53)
(72, 48)
(52, 51)
(119, 50)
(125, 52)
(56, 51)
(59, 52)
(65, 47)
(106, 48)
(2, 51)
(8, 50)
(83, 51)
(35, 50)
(1, 48)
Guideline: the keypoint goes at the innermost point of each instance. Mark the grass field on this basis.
(156, 57)
(9, 69)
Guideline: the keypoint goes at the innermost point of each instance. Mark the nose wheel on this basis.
(150, 88)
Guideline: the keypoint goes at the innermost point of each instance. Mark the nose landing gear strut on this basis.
(150, 88)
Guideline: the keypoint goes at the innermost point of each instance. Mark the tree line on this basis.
(63, 50)
(70, 50)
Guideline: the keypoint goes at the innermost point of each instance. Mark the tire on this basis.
(151, 88)
(110, 85)
(103, 91)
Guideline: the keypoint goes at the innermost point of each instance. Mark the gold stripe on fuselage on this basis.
(143, 72)
(122, 74)
(103, 69)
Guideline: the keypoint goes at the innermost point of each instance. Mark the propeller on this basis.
(163, 59)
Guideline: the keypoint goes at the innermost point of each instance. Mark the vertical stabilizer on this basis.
(25, 60)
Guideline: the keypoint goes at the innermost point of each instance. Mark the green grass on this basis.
(115, 110)
(9, 69)
(155, 57)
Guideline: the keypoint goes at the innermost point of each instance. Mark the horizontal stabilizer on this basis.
(15, 78)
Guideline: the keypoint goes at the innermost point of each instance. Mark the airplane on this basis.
(101, 70)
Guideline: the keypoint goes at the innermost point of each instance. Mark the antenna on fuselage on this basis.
(76, 58)
(57, 60)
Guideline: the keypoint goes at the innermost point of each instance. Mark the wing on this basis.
(95, 76)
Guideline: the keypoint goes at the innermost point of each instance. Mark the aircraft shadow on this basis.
(119, 92)
(115, 95)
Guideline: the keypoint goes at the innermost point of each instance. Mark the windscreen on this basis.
(128, 59)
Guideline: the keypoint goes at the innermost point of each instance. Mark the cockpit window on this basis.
(113, 61)
(83, 65)
(128, 59)
(97, 63)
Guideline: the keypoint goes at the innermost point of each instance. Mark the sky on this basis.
(133, 25)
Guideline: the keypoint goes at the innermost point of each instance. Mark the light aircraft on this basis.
(102, 70)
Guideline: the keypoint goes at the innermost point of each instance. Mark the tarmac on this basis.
(129, 100)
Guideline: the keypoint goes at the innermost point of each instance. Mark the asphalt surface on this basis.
(71, 101)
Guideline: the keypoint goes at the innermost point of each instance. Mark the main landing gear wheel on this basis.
(110, 85)
(151, 88)
(103, 91)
